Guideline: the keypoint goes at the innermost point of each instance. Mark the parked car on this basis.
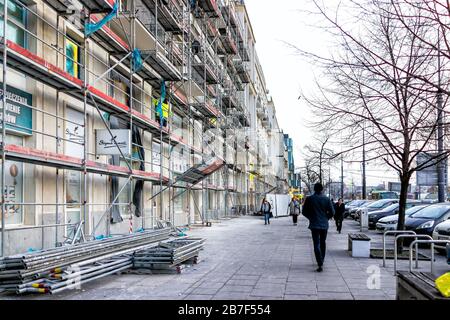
(390, 222)
(376, 206)
(391, 210)
(425, 220)
(361, 204)
(351, 205)
(442, 232)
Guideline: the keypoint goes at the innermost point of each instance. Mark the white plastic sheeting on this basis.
(279, 203)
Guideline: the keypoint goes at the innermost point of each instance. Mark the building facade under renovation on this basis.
(122, 113)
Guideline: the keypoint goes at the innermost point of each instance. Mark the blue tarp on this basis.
(90, 28)
(136, 60)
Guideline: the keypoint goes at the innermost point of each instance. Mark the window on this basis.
(177, 124)
(72, 58)
(13, 186)
(16, 23)
(74, 133)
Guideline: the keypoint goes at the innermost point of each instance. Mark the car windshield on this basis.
(413, 210)
(431, 212)
(377, 204)
(391, 207)
(365, 204)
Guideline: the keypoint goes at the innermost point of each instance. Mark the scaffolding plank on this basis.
(108, 39)
(98, 5)
(210, 6)
(162, 65)
(56, 160)
(168, 14)
(200, 171)
(38, 68)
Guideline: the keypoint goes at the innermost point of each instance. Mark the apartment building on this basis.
(122, 114)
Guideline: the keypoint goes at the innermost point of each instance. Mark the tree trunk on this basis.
(404, 182)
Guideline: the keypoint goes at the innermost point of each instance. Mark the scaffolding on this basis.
(195, 56)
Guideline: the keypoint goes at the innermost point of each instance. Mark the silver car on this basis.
(390, 222)
(441, 232)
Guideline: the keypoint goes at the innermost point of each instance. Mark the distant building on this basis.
(293, 178)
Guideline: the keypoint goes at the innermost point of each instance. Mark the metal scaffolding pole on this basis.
(3, 178)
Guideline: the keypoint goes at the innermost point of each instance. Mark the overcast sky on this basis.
(285, 21)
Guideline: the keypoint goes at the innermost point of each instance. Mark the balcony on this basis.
(229, 15)
(210, 7)
(243, 52)
(155, 56)
(96, 6)
(168, 15)
(229, 100)
(243, 72)
(206, 68)
(228, 41)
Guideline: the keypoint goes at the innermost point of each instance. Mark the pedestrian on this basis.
(294, 209)
(339, 210)
(266, 210)
(318, 209)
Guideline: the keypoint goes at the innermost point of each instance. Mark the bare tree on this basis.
(381, 81)
(316, 156)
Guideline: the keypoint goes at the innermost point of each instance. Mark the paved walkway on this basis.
(244, 259)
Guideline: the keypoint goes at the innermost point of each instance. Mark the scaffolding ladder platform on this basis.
(108, 39)
(38, 68)
(205, 69)
(61, 161)
(200, 171)
(96, 6)
(162, 65)
(166, 14)
(210, 6)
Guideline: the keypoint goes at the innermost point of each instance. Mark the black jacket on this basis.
(318, 209)
(339, 211)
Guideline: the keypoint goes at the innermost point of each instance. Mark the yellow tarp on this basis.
(443, 284)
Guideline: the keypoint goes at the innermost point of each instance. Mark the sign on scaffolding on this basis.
(18, 116)
(107, 144)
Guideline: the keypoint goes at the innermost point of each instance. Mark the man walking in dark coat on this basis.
(318, 209)
(339, 211)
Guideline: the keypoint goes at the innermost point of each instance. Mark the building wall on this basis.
(48, 188)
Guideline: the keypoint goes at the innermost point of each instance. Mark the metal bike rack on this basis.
(393, 232)
(432, 242)
(415, 236)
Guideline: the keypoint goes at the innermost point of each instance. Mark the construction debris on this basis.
(54, 270)
(169, 254)
(57, 269)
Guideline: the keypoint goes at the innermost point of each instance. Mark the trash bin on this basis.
(364, 219)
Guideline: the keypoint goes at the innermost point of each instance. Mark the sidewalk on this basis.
(244, 259)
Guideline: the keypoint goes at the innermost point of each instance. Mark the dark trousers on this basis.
(267, 217)
(294, 218)
(339, 225)
(319, 240)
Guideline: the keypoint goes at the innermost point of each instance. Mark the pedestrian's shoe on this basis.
(319, 269)
(265, 223)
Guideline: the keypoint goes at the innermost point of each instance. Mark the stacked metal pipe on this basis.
(170, 253)
(57, 269)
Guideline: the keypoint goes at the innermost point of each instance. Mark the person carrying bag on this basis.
(266, 210)
(294, 209)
